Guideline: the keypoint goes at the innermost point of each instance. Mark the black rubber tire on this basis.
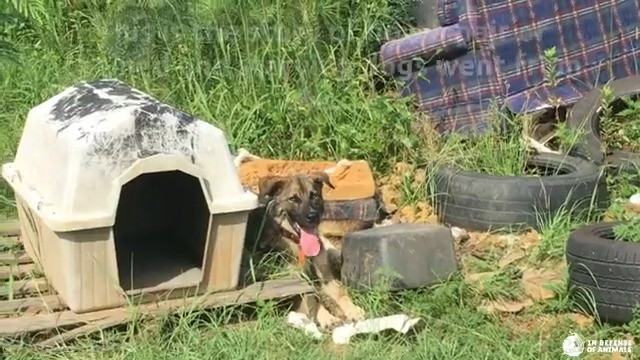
(608, 270)
(484, 202)
(585, 117)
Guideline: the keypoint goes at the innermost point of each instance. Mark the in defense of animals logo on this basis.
(573, 345)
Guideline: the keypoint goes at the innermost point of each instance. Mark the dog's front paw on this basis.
(352, 312)
(327, 321)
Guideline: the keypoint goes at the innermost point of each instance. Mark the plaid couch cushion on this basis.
(428, 46)
(447, 12)
(453, 102)
(594, 41)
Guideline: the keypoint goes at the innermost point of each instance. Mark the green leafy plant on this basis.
(566, 137)
(550, 60)
(629, 230)
(622, 130)
(619, 128)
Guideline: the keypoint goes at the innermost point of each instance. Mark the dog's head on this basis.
(296, 205)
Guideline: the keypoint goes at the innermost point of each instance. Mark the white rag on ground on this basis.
(342, 334)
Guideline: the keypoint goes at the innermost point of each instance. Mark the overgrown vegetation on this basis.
(263, 71)
(296, 79)
(620, 130)
(628, 230)
(619, 122)
(480, 154)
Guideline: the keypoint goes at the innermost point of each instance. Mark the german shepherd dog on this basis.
(294, 225)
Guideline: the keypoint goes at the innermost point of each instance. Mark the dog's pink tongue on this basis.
(309, 243)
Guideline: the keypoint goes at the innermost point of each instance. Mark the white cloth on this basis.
(342, 334)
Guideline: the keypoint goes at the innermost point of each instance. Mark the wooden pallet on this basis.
(29, 305)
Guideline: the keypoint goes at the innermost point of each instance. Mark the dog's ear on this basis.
(320, 178)
(270, 186)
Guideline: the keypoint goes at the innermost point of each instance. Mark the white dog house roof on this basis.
(79, 147)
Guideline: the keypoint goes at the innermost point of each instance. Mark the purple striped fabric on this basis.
(427, 46)
(595, 41)
(447, 12)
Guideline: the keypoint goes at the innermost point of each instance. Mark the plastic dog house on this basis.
(120, 194)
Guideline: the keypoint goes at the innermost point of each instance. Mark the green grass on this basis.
(629, 230)
(454, 329)
(620, 122)
(469, 154)
(287, 79)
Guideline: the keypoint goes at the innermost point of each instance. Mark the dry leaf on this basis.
(512, 256)
(633, 207)
(534, 283)
(510, 239)
(581, 320)
(529, 240)
(481, 242)
(505, 306)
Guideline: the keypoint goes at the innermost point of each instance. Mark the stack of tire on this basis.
(576, 182)
(604, 273)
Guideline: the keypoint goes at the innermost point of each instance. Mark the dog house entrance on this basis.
(160, 232)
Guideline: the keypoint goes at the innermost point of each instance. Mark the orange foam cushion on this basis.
(351, 183)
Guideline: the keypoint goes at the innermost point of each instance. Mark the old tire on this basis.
(484, 202)
(604, 272)
(585, 117)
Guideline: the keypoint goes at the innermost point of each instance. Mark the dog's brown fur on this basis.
(291, 199)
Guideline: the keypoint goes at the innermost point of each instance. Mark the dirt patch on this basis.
(405, 180)
(528, 324)
(479, 243)
(503, 306)
(529, 240)
(391, 186)
(544, 323)
(515, 247)
(581, 320)
(421, 213)
(352, 182)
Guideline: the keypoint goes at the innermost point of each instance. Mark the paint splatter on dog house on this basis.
(121, 194)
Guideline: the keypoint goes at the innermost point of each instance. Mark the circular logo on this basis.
(573, 345)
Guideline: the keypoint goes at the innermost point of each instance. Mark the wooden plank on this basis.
(25, 287)
(9, 227)
(9, 259)
(259, 291)
(16, 271)
(31, 305)
(80, 331)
